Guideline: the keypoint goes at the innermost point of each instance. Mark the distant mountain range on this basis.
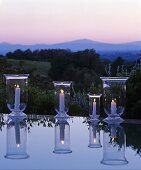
(105, 49)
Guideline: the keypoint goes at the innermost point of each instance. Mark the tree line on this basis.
(84, 68)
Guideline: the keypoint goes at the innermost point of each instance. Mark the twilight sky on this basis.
(53, 21)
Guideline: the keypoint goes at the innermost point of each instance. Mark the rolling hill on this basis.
(129, 50)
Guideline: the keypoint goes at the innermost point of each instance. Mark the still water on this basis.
(46, 143)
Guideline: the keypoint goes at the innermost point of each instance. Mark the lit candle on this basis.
(94, 108)
(62, 101)
(17, 133)
(17, 98)
(62, 132)
(113, 107)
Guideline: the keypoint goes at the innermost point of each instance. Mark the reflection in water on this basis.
(94, 135)
(16, 139)
(133, 130)
(62, 136)
(40, 120)
(2, 121)
(133, 136)
(114, 143)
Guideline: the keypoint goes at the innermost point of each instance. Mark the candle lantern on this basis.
(94, 135)
(114, 144)
(16, 139)
(16, 93)
(94, 106)
(114, 96)
(62, 97)
(62, 137)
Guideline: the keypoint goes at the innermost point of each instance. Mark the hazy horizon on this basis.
(57, 21)
(69, 41)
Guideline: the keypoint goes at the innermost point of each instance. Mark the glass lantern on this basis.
(62, 97)
(114, 96)
(114, 144)
(62, 137)
(94, 106)
(94, 135)
(16, 93)
(16, 139)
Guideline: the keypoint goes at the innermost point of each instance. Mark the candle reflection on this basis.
(94, 135)
(62, 136)
(16, 138)
(114, 144)
(62, 132)
(17, 132)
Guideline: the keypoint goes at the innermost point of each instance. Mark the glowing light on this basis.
(16, 85)
(94, 140)
(113, 139)
(62, 142)
(62, 91)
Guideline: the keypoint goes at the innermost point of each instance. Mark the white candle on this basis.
(17, 98)
(17, 133)
(94, 108)
(62, 101)
(113, 107)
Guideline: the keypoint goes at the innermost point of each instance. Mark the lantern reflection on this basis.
(94, 135)
(16, 139)
(114, 144)
(62, 136)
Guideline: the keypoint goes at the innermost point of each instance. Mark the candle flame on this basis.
(114, 100)
(94, 100)
(62, 91)
(17, 86)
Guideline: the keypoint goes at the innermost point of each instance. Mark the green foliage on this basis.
(133, 136)
(40, 101)
(133, 109)
(83, 68)
(36, 67)
(76, 109)
(115, 64)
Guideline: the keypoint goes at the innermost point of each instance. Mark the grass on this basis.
(39, 67)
